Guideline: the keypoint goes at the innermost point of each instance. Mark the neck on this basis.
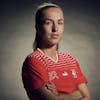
(50, 51)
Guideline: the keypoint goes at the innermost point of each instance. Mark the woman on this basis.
(47, 73)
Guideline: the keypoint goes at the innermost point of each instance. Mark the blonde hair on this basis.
(46, 4)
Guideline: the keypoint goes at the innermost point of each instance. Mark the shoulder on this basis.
(66, 55)
(34, 59)
(34, 56)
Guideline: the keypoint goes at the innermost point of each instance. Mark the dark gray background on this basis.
(81, 38)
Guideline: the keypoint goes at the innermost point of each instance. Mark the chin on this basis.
(54, 43)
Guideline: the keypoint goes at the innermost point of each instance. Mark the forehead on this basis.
(53, 12)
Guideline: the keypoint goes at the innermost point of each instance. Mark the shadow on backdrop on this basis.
(81, 38)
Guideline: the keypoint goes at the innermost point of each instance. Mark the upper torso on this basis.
(63, 72)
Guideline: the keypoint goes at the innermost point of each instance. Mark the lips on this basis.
(55, 36)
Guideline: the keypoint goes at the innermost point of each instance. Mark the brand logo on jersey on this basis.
(64, 73)
(53, 75)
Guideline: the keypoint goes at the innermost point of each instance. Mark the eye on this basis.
(60, 22)
(48, 22)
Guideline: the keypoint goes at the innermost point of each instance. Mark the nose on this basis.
(54, 27)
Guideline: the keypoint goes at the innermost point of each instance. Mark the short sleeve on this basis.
(34, 74)
(80, 76)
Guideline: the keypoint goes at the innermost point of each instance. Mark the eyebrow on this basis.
(52, 20)
(61, 20)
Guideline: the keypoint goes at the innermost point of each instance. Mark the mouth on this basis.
(54, 36)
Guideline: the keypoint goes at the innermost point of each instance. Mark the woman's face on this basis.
(52, 27)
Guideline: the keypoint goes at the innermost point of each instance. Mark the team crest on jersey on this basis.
(53, 75)
(74, 73)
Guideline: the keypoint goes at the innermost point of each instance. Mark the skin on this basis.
(51, 32)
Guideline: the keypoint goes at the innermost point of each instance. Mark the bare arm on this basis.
(81, 94)
(50, 93)
(84, 91)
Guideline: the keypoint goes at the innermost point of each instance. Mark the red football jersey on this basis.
(39, 69)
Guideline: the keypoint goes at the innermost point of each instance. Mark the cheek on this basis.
(61, 29)
(46, 32)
